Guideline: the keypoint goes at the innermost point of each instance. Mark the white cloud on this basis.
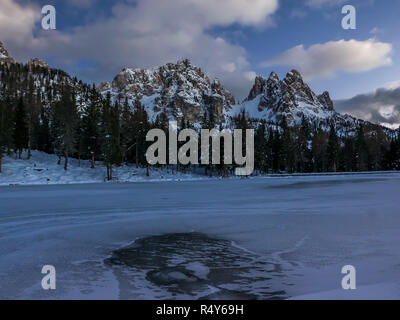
(151, 32)
(327, 59)
(225, 12)
(17, 22)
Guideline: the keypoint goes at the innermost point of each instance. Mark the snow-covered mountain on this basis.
(37, 77)
(273, 99)
(290, 97)
(4, 56)
(183, 91)
(37, 63)
(180, 90)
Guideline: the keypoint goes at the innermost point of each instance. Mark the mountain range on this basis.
(183, 91)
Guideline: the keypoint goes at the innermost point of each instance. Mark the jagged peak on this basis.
(258, 87)
(216, 83)
(180, 89)
(186, 62)
(3, 50)
(326, 100)
(4, 56)
(180, 65)
(36, 62)
(273, 77)
(293, 76)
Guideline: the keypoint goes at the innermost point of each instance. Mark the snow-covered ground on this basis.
(283, 237)
(42, 168)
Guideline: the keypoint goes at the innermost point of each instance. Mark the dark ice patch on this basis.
(194, 266)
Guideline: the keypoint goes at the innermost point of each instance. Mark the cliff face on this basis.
(37, 63)
(4, 56)
(290, 97)
(273, 100)
(180, 90)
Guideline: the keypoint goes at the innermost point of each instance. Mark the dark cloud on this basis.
(380, 106)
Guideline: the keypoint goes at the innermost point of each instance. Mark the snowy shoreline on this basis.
(42, 169)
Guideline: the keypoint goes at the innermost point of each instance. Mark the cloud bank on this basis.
(380, 106)
(145, 33)
(327, 59)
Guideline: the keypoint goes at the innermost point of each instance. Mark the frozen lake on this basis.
(258, 238)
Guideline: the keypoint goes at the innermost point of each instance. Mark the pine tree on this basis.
(140, 128)
(304, 154)
(127, 136)
(6, 128)
(377, 145)
(20, 128)
(32, 106)
(319, 146)
(277, 152)
(44, 142)
(333, 150)
(66, 114)
(111, 143)
(361, 150)
(287, 147)
(91, 128)
(261, 148)
(348, 158)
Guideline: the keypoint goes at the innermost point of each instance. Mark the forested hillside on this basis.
(45, 109)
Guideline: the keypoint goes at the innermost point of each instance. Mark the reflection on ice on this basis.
(192, 265)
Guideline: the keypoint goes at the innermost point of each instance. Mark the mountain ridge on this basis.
(180, 90)
(183, 91)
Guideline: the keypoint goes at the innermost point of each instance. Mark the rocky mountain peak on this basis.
(38, 63)
(273, 77)
(258, 88)
(185, 63)
(4, 56)
(293, 76)
(290, 97)
(181, 90)
(326, 100)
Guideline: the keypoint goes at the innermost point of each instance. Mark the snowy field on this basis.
(256, 238)
(42, 168)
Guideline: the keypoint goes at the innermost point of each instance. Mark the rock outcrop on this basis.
(180, 90)
(4, 56)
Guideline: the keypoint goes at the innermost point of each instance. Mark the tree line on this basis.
(45, 110)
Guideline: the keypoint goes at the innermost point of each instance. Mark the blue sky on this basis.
(230, 39)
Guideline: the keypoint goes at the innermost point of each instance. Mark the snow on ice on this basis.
(286, 237)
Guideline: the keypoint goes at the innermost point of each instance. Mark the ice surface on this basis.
(308, 226)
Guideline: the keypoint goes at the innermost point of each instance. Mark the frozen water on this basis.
(304, 229)
(188, 265)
